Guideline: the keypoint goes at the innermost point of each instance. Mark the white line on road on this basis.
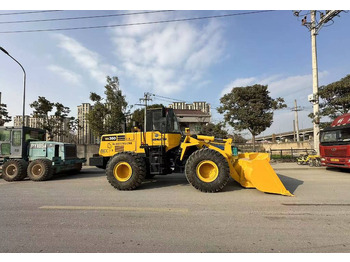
(138, 209)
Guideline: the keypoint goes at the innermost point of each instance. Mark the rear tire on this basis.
(40, 170)
(14, 170)
(126, 171)
(207, 170)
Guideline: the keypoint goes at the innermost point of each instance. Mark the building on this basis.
(85, 135)
(37, 122)
(192, 116)
(202, 106)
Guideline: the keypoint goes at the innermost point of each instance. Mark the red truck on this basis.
(335, 143)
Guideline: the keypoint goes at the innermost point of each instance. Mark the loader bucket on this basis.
(253, 170)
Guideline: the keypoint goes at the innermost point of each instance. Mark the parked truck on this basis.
(24, 152)
(335, 143)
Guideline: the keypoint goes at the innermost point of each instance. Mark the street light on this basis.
(24, 82)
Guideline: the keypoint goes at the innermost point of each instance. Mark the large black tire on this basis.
(126, 171)
(14, 170)
(207, 170)
(40, 170)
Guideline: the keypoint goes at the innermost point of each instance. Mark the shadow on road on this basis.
(180, 180)
(336, 169)
(164, 181)
(84, 173)
(291, 184)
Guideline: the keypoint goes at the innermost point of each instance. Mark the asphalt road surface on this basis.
(83, 213)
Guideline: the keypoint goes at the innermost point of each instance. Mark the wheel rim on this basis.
(122, 171)
(37, 170)
(207, 171)
(11, 170)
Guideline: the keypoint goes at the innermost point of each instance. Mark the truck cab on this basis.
(335, 143)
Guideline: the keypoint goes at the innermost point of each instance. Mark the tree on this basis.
(108, 116)
(52, 123)
(335, 100)
(238, 138)
(4, 115)
(250, 108)
(216, 130)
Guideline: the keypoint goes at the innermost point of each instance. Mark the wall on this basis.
(294, 145)
(87, 151)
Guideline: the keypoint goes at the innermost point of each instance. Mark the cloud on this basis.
(67, 75)
(239, 82)
(278, 85)
(85, 58)
(166, 58)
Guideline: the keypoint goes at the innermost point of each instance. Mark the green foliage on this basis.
(108, 116)
(250, 108)
(216, 130)
(334, 100)
(237, 138)
(4, 115)
(52, 123)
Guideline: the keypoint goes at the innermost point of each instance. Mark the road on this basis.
(83, 213)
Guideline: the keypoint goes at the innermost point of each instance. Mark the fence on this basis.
(289, 153)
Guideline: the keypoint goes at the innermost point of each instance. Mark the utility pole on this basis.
(314, 27)
(145, 99)
(296, 121)
(315, 83)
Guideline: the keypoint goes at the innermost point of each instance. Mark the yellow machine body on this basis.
(251, 170)
(162, 149)
(112, 144)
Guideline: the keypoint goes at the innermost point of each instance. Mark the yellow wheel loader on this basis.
(208, 162)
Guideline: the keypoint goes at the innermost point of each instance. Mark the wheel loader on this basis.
(161, 149)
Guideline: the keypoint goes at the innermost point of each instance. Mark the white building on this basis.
(85, 135)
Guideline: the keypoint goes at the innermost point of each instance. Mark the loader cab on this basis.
(14, 141)
(163, 120)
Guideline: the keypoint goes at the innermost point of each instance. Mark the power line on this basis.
(83, 17)
(136, 24)
(32, 12)
(169, 98)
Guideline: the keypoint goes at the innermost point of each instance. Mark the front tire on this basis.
(207, 170)
(14, 170)
(40, 170)
(126, 171)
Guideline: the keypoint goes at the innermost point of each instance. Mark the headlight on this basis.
(323, 159)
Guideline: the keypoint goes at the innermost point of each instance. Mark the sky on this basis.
(192, 60)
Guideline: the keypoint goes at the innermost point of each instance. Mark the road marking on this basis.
(316, 204)
(138, 209)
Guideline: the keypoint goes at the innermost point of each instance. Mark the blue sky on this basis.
(192, 61)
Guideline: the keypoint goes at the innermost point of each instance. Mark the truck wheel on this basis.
(207, 170)
(14, 170)
(126, 171)
(40, 170)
